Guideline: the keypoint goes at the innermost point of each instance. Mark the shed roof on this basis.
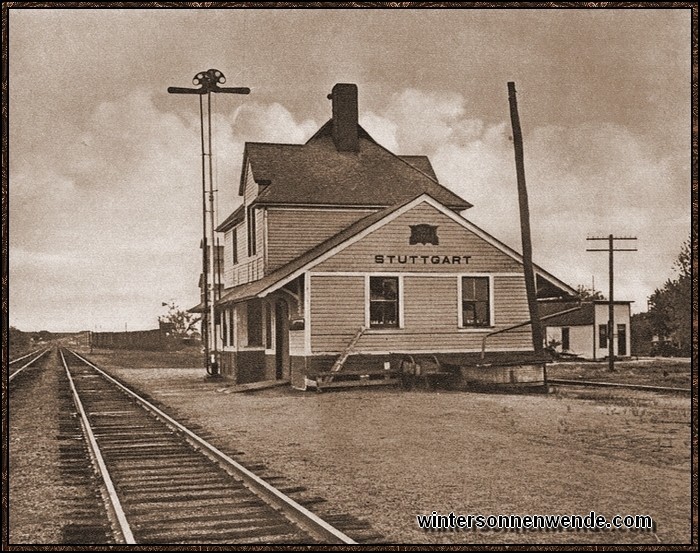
(583, 317)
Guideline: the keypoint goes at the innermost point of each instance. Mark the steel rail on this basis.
(24, 357)
(297, 513)
(114, 504)
(618, 385)
(35, 359)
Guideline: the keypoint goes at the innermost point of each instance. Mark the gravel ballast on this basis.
(53, 493)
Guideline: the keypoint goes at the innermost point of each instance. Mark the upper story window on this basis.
(252, 246)
(384, 302)
(476, 302)
(234, 244)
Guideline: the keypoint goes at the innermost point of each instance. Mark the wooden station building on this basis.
(343, 253)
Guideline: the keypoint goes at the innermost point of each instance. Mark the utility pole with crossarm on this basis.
(610, 239)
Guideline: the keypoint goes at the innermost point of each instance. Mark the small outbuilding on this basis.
(584, 333)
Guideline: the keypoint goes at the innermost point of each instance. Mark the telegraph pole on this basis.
(530, 283)
(208, 82)
(610, 239)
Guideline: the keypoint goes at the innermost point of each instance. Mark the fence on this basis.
(139, 339)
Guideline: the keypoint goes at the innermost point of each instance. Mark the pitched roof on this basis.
(232, 220)
(317, 173)
(287, 272)
(422, 163)
(252, 289)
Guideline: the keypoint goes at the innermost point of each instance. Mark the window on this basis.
(255, 323)
(268, 326)
(384, 302)
(251, 231)
(232, 327)
(224, 328)
(234, 245)
(565, 345)
(603, 336)
(476, 303)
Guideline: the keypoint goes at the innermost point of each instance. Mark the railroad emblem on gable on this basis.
(424, 234)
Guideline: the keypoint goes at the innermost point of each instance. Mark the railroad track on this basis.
(643, 387)
(25, 361)
(162, 483)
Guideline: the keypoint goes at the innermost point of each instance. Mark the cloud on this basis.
(107, 225)
(105, 215)
(584, 179)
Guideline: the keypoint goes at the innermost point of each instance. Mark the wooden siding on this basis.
(430, 316)
(510, 300)
(291, 232)
(236, 274)
(252, 268)
(393, 239)
(296, 342)
(337, 311)
(250, 192)
(248, 268)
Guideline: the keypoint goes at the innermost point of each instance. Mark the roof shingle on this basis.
(316, 173)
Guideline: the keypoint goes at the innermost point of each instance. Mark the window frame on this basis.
(460, 313)
(234, 245)
(399, 300)
(252, 231)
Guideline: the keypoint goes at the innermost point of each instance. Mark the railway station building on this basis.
(344, 252)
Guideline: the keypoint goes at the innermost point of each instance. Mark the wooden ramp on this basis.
(340, 377)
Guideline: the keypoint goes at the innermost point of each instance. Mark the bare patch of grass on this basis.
(188, 358)
(651, 372)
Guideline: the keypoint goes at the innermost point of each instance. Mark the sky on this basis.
(104, 174)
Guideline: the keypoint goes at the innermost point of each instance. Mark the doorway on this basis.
(622, 340)
(281, 340)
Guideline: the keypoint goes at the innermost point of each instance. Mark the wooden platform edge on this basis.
(254, 386)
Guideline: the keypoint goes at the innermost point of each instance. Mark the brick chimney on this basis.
(345, 134)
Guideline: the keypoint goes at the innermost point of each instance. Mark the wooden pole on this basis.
(530, 284)
(610, 239)
(611, 308)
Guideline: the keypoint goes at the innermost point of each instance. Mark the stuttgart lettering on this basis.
(422, 259)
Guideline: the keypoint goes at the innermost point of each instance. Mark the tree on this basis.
(670, 306)
(181, 323)
(642, 333)
(584, 293)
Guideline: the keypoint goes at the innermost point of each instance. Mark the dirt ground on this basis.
(387, 455)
